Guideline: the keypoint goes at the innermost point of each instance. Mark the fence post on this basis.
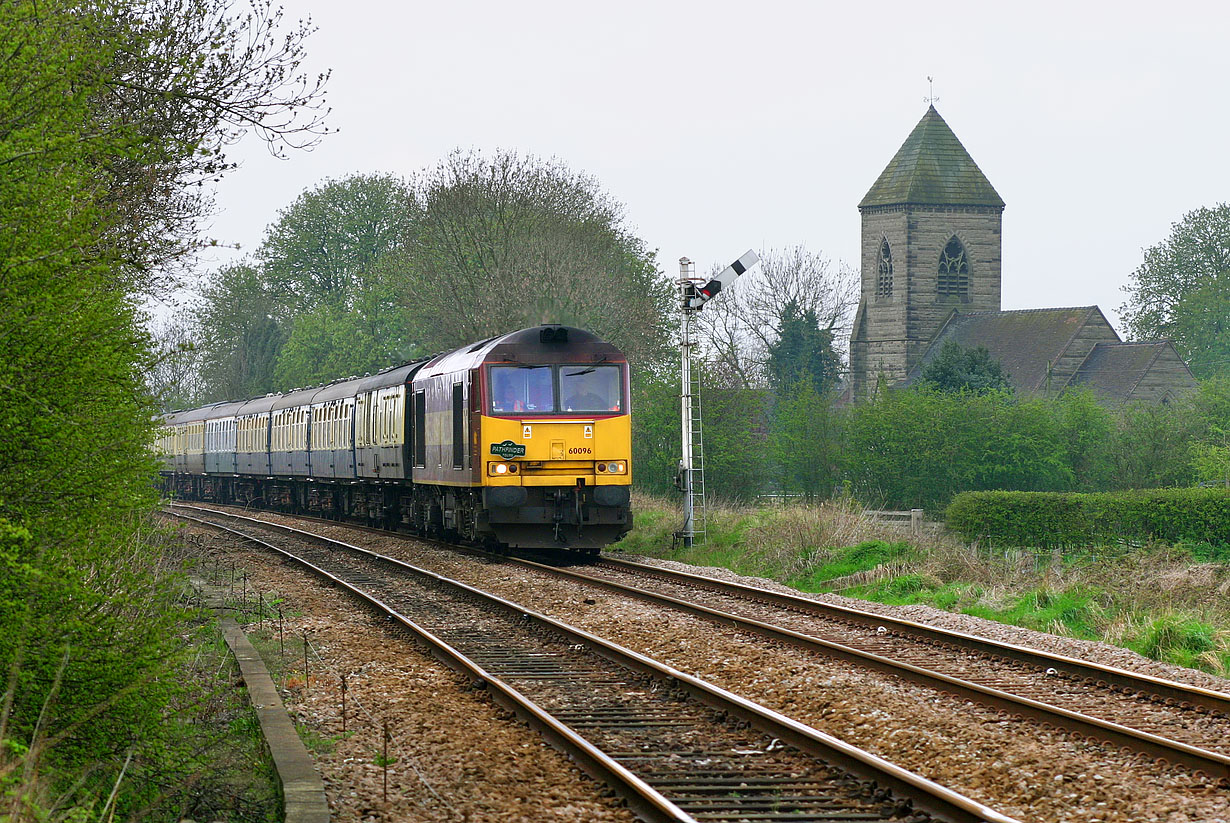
(916, 519)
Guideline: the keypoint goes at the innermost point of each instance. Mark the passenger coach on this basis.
(522, 440)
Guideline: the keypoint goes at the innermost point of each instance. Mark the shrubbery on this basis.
(1048, 520)
(917, 448)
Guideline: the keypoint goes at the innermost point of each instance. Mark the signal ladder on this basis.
(698, 459)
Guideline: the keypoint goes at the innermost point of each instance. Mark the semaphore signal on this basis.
(693, 295)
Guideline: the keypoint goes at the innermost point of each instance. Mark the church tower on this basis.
(930, 245)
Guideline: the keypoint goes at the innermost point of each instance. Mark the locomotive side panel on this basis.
(445, 458)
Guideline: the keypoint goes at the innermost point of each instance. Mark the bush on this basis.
(1055, 520)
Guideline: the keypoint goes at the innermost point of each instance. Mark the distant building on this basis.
(931, 272)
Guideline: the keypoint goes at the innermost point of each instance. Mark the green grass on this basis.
(1183, 641)
(1166, 603)
(834, 562)
(1207, 552)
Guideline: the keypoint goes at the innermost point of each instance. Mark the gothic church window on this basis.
(884, 280)
(953, 281)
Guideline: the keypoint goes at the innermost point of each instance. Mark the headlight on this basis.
(616, 467)
(499, 468)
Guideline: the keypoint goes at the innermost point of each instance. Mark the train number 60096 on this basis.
(582, 450)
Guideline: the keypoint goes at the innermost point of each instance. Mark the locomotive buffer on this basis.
(694, 293)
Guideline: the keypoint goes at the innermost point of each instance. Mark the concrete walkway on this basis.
(303, 792)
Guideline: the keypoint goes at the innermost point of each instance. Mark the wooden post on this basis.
(916, 519)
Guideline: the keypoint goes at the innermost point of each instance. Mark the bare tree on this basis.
(740, 328)
(174, 370)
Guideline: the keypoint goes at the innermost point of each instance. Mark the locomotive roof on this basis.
(548, 343)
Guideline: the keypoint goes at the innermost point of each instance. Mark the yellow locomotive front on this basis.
(554, 440)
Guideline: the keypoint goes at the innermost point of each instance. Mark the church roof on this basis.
(932, 168)
(1025, 341)
(1114, 370)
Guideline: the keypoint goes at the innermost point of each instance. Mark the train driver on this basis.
(508, 399)
(588, 394)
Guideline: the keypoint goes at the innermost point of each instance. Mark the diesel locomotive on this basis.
(522, 440)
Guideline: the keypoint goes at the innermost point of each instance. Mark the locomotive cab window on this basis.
(556, 389)
(590, 389)
(517, 389)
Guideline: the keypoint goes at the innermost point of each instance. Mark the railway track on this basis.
(1169, 721)
(674, 746)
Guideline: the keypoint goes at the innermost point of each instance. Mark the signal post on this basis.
(694, 293)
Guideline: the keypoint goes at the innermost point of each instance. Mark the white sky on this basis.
(728, 125)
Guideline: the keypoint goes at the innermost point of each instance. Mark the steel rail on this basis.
(927, 796)
(1129, 682)
(1213, 764)
(643, 799)
(1181, 694)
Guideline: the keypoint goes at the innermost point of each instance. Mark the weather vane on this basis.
(930, 98)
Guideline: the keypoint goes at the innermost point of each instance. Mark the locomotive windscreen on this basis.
(522, 389)
(556, 389)
(592, 389)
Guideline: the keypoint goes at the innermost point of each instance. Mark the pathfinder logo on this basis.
(508, 450)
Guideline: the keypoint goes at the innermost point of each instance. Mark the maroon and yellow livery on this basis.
(522, 440)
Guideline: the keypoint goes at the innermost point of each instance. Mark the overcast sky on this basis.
(728, 125)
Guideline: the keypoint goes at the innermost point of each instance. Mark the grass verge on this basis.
(1168, 603)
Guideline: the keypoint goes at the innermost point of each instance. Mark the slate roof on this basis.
(1114, 370)
(1024, 341)
(932, 168)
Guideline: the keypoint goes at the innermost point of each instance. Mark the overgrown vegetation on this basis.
(1168, 603)
(114, 115)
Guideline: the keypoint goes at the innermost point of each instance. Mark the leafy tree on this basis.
(509, 241)
(109, 110)
(174, 370)
(802, 352)
(736, 458)
(1211, 458)
(1210, 443)
(334, 341)
(916, 449)
(957, 368)
(182, 80)
(239, 334)
(805, 441)
(1151, 446)
(1088, 429)
(323, 249)
(1182, 291)
(655, 429)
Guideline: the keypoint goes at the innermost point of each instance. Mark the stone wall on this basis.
(891, 333)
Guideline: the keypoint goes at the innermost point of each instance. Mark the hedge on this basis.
(1059, 519)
